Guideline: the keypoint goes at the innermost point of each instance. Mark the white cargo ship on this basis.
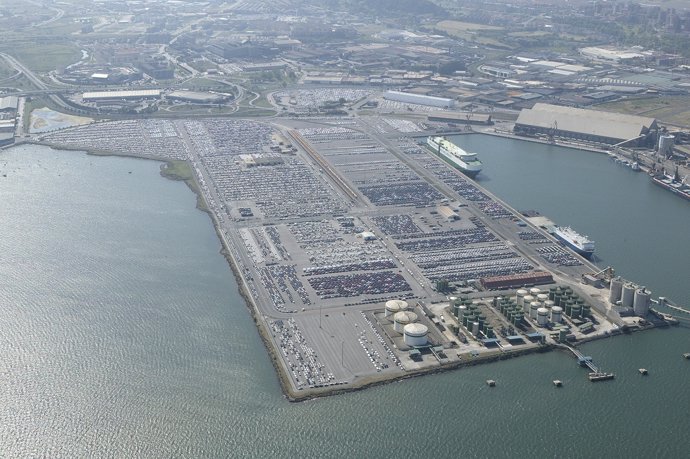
(465, 162)
(571, 238)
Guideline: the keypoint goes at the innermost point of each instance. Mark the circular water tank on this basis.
(520, 297)
(542, 297)
(533, 308)
(394, 306)
(548, 304)
(542, 317)
(415, 334)
(475, 328)
(402, 318)
(534, 291)
(628, 295)
(615, 290)
(641, 302)
(557, 314)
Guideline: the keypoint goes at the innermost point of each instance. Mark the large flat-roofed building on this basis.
(420, 99)
(121, 95)
(590, 125)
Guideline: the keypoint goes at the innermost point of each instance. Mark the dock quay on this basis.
(586, 361)
(364, 258)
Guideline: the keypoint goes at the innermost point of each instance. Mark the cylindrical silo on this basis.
(562, 336)
(534, 291)
(462, 310)
(475, 328)
(666, 144)
(548, 304)
(586, 310)
(615, 290)
(542, 297)
(641, 302)
(527, 300)
(415, 334)
(628, 295)
(533, 307)
(517, 319)
(557, 314)
(576, 311)
(520, 296)
(542, 317)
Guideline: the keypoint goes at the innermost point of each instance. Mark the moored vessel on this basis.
(465, 162)
(574, 240)
(672, 183)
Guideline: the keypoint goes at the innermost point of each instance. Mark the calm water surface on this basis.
(122, 335)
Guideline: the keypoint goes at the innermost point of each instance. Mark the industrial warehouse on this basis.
(589, 125)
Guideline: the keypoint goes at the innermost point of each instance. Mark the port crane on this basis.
(552, 131)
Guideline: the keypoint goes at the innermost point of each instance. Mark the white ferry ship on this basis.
(465, 162)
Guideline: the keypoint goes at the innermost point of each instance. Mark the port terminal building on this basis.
(583, 124)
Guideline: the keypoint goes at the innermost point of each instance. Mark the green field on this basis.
(44, 57)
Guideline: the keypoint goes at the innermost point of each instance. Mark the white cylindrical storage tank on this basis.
(534, 291)
(520, 297)
(557, 314)
(666, 142)
(628, 295)
(542, 297)
(415, 334)
(548, 304)
(528, 299)
(542, 317)
(394, 306)
(616, 290)
(533, 307)
(402, 318)
(475, 328)
(641, 302)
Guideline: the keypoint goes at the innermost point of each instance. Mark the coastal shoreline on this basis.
(167, 170)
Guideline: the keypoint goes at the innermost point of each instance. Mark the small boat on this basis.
(643, 371)
(491, 383)
(558, 383)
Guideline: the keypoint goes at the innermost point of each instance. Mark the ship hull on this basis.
(585, 253)
(441, 153)
(673, 190)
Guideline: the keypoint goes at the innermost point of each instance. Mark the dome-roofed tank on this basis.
(542, 317)
(520, 296)
(402, 318)
(394, 306)
(557, 314)
(415, 334)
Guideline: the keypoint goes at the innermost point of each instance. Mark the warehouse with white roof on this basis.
(582, 124)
